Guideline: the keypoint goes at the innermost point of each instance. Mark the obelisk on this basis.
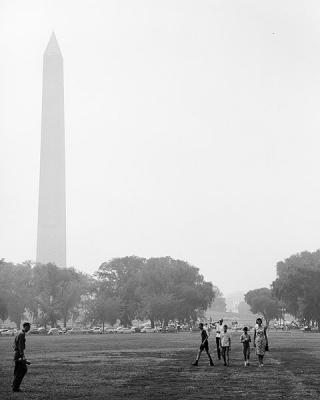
(51, 239)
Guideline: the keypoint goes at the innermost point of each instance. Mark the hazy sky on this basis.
(192, 130)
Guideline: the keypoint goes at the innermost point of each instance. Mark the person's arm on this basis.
(20, 345)
(205, 338)
(265, 334)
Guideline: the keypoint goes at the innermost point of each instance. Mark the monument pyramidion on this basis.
(51, 237)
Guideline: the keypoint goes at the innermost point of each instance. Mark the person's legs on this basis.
(198, 356)
(223, 352)
(20, 370)
(227, 356)
(245, 354)
(218, 348)
(15, 374)
(209, 355)
(248, 355)
(260, 358)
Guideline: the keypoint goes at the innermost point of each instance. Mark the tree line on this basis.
(158, 289)
(295, 290)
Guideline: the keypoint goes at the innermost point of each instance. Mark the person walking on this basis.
(245, 339)
(20, 362)
(219, 329)
(225, 338)
(204, 346)
(260, 341)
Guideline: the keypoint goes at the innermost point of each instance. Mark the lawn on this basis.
(158, 366)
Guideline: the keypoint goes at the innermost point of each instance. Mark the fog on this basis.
(192, 130)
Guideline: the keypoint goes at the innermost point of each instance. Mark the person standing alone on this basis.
(20, 362)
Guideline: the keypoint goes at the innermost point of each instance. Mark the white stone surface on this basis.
(51, 238)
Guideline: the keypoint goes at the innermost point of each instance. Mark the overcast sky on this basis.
(192, 130)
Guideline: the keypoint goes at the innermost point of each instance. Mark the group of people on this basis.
(223, 343)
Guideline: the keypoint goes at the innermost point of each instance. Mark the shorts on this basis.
(204, 346)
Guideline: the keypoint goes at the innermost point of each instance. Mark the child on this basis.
(204, 346)
(225, 339)
(245, 339)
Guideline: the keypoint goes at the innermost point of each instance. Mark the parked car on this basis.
(54, 332)
(7, 332)
(121, 329)
(95, 330)
(135, 329)
(125, 330)
(148, 329)
(33, 331)
(109, 330)
(42, 331)
(171, 328)
(74, 331)
(185, 327)
(306, 329)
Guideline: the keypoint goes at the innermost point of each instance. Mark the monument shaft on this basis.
(51, 239)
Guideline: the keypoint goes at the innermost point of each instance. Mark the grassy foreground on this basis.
(158, 366)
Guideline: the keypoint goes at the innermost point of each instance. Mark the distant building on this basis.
(233, 300)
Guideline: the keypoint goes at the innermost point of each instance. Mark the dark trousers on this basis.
(218, 348)
(20, 369)
(246, 351)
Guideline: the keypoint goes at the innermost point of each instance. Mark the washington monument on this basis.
(51, 239)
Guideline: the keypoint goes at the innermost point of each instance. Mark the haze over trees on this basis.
(262, 301)
(297, 285)
(295, 290)
(219, 303)
(158, 289)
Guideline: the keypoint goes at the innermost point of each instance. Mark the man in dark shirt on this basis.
(204, 345)
(20, 362)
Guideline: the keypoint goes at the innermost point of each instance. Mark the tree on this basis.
(262, 301)
(105, 309)
(219, 304)
(119, 278)
(15, 289)
(172, 289)
(243, 308)
(72, 285)
(297, 285)
(3, 309)
(158, 308)
(57, 292)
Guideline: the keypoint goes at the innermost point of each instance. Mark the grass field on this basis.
(158, 366)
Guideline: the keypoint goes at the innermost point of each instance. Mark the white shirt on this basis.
(225, 336)
(219, 329)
